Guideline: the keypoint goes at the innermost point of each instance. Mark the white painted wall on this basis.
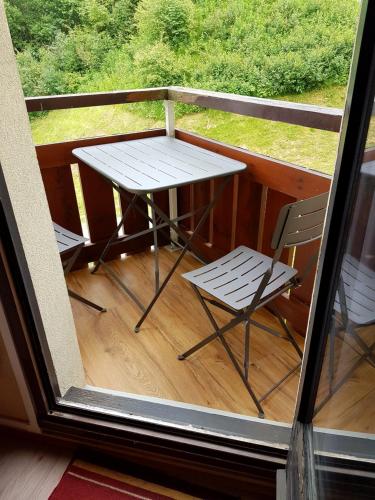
(25, 187)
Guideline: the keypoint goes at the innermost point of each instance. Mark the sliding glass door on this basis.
(333, 445)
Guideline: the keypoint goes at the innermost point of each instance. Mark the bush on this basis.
(166, 21)
(64, 66)
(157, 66)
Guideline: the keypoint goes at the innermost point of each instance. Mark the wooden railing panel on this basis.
(248, 211)
(275, 201)
(222, 217)
(200, 196)
(101, 217)
(162, 200)
(61, 196)
(184, 204)
(134, 223)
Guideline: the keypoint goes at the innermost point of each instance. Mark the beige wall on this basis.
(25, 187)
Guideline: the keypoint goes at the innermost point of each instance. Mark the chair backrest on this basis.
(300, 222)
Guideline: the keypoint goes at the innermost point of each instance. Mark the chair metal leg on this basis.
(75, 295)
(244, 379)
(287, 331)
(247, 348)
(235, 321)
(219, 332)
(362, 344)
(67, 266)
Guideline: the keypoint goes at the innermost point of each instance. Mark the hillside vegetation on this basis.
(300, 49)
(243, 46)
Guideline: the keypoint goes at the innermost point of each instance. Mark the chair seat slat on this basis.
(67, 240)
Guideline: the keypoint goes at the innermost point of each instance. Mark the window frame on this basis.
(118, 434)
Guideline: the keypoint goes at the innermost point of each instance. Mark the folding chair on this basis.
(245, 280)
(355, 308)
(68, 242)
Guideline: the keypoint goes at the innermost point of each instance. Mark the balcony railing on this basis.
(247, 212)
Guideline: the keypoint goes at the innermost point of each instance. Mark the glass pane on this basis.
(344, 421)
(346, 393)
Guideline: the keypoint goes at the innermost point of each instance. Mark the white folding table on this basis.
(144, 166)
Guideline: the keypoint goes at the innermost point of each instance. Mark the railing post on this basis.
(170, 129)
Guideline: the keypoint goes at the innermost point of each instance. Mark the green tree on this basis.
(35, 23)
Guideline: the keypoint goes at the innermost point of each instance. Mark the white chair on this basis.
(245, 280)
(68, 242)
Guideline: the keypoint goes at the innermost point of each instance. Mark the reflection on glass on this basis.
(346, 396)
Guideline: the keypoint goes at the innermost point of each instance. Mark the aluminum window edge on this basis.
(192, 419)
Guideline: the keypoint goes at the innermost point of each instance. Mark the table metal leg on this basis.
(114, 234)
(184, 249)
(156, 246)
(172, 224)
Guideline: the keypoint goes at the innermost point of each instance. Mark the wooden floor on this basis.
(114, 357)
(146, 363)
(352, 407)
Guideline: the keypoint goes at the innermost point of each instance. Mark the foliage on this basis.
(242, 46)
(157, 65)
(114, 17)
(165, 21)
(35, 23)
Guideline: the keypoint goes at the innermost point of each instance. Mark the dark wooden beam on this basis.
(305, 115)
(47, 103)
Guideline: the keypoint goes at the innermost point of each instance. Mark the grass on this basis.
(311, 148)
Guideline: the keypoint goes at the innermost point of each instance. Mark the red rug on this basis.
(82, 484)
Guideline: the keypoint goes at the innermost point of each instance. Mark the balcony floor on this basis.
(114, 357)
